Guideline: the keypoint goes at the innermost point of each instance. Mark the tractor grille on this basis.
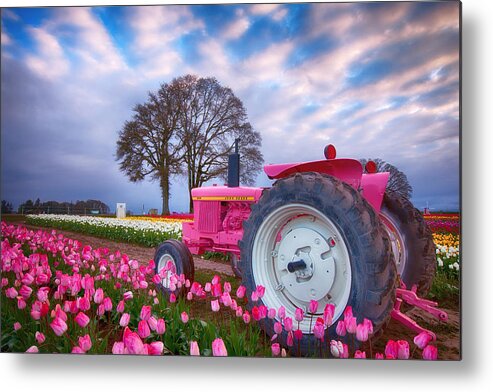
(209, 216)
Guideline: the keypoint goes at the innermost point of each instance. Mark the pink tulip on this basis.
(329, 314)
(184, 317)
(360, 354)
(155, 348)
(260, 291)
(362, 332)
(430, 353)
(348, 312)
(11, 292)
(21, 303)
(369, 325)
(379, 356)
(336, 348)
(281, 312)
(40, 337)
(83, 303)
(108, 304)
(172, 298)
(132, 341)
(277, 327)
(216, 279)
(42, 294)
(215, 305)
(227, 287)
(189, 296)
(17, 326)
(207, 287)
(391, 349)
(271, 313)
(319, 331)
(128, 295)
(143, 329)
(85, 343)
(59, 326)
(98, 296)
(145, 312)
(160, 326)
(121, 306)
(403, 349)
(341, 328)
(118, 348)
(82, 319)
(254, 296)
(25, 291)
(194, 348)
(288, 324)
(246, 317)
(422, 339)
(152, 323)
(298, 314)
(289, 339)
(32, 349)
(218, 348)
(239, 311)
(350, 323)
(263, 311)
(276, 349)
(124, 320)
(240, 292)
(313, 306)
(345, 351)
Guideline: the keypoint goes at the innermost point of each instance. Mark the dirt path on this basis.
(448, 334)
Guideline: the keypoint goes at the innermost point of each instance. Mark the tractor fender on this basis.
(373, 188)
(345, 169)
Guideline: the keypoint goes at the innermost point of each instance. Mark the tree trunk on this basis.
(165, 191)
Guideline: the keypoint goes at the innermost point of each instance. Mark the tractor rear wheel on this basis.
(313, 237)
(176, 258)
(412, 242)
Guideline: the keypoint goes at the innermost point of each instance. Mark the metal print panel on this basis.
(249, 180)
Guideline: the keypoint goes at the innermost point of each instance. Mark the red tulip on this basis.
(256, 313)
(422, 339)
(430, 353)
(82, 319)
(298, 334)
(218, 348)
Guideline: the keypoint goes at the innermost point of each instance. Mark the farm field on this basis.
(118, 267)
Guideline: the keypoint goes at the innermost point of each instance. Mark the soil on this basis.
(448, 334)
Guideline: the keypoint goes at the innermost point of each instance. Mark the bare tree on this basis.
(188, 127)
(211, 118)
(148, 144)
(398, 181)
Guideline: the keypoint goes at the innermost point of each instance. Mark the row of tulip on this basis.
(144, 232)
(448, 253)
(443, 223)
(59, 296)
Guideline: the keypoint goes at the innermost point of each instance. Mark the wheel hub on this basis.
(304, 255)
(167, 262)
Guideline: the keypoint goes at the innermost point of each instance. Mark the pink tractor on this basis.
(326, 230)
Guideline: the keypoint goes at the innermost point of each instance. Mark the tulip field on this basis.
(60, 296)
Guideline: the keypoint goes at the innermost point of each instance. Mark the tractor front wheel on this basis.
(313, 237)
(175, 258)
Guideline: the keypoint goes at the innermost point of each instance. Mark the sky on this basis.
(377, 80)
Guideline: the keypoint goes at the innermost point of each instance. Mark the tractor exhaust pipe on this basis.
(234, 168)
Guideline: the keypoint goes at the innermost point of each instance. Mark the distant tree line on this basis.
(187, 128)
(7, 207)
(80, 207)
